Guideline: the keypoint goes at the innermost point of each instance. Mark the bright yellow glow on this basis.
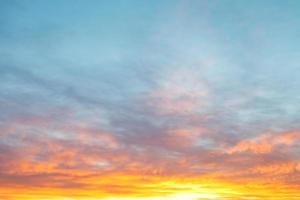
(123, 187)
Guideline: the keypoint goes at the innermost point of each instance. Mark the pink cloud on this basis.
(180, 92)
(265, 143)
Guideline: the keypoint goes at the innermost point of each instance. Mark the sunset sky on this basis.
(149, 100)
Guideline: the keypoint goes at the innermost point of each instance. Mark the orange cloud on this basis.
(265, 143)
(85, 162)
(278, 168)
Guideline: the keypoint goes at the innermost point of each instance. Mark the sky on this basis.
(149, 100)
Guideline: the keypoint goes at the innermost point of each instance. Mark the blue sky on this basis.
(122, 50)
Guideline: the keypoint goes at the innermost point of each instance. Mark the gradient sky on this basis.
(149, 100)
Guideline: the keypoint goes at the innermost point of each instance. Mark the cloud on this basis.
(180, 92)
(266, 143)
(165, 106)
(278, 168)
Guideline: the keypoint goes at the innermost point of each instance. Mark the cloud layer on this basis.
(149, 100)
